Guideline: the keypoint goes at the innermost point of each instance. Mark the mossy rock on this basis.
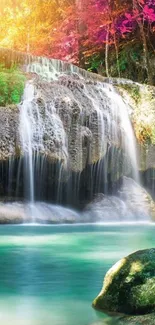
(141, 99)
(129, 286)
(138, 320)
(148, 319)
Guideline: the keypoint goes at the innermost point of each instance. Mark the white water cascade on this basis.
(33, 128)
(121, 110)
(93, 111)
(26, 133)
(76, 141)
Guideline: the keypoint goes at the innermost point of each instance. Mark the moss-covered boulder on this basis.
(139, 202)
(129, 286)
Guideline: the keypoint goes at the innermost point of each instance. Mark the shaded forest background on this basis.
(115, 38)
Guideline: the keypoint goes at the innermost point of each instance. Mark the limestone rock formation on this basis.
(73, 120)
(132, 203)
(106, 208)
(18, 213)
(77, 120)
(138, 200)
(129, 286)
(9, 135)
(13, 214)
(141, 100)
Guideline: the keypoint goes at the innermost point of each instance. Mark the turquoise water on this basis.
(49, 275)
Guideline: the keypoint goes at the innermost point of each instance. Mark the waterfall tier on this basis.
(78, 124)
(70, 137)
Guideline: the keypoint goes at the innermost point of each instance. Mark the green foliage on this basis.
(133, 90)
(95, 63)
(144, 118)
(123, 61)
(142, 100)
(12, 83)
(130, 63)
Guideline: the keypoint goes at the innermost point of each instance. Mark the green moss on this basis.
(12, 83)
(142, 100)
(129, 286)
(133, 90)
(138, 320)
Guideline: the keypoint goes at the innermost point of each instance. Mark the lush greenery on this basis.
(115, 37)
(12, 83)
(142, 99)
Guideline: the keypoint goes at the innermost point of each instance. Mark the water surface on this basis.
(49, 275)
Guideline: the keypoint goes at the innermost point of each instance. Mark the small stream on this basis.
(51, 274)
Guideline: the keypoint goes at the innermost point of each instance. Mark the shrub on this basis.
(12, 83)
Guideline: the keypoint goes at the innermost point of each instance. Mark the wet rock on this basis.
(137, 199)
(50, 214)
(9, 135)
(129, 286)
(132, 203)
(18, 213)
(71, 121)
(107, 209)
(13, 214)
(127, 320)
(138, 320)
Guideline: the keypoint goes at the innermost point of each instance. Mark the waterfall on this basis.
(129, 143)
(33, 128)
(62, 119)
(76, 138)
(26, 133)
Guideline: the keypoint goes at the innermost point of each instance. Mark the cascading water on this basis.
(107, 121)
(120, 109)
(34, 126)
(26, 133)
(76, 138)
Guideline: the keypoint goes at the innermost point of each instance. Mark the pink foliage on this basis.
(87, 25)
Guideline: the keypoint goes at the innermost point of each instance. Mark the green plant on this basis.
(142, 100)
(95, 62)
(133, 90)
(12, 83)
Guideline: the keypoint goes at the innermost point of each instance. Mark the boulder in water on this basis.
(17, 213)
(132, 203)
(138, 200)
(106, 208)
(13, 213)
(129, 286)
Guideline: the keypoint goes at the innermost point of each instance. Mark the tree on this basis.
(106, 36)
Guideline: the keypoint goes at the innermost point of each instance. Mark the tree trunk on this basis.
(146, 55)
(117, 57)
(80, 30)
(145, 47)
(107, 53)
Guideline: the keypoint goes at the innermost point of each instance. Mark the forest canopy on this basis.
(112, 37)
